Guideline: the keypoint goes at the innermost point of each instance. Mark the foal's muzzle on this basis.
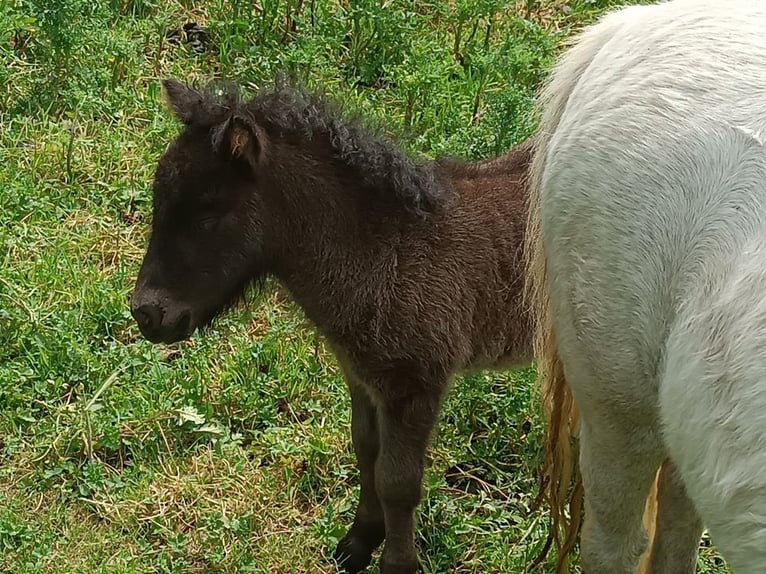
(160, 321)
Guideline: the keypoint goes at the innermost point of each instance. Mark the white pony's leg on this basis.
(620, 452)
(713, 407)
(617, 475)
(678, 527)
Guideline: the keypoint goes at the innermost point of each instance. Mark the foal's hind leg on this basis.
(678, 530)
(354, 551)
(618, 463)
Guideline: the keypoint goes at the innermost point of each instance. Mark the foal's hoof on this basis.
(352, 555)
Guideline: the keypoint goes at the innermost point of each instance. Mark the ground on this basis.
(230, 452)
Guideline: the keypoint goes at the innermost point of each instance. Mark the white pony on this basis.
(647, 266)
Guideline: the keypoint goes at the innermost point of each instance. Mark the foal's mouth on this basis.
(167, 335)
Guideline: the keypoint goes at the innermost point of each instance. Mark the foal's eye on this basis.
(207, 224)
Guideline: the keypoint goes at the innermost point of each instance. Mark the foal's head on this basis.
(207, 238)
(226, 188)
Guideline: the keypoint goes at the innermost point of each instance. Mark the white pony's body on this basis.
(651, 188)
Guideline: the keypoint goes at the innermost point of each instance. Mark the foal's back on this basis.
(459, 281)
(653, 214)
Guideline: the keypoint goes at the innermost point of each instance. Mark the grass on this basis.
(230, 453)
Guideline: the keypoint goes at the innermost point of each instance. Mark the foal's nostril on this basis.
(148, 317)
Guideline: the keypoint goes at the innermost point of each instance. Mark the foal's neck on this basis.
(339, 240)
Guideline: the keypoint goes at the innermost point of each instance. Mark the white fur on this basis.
(653, 217)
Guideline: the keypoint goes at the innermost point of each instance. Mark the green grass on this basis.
(230, 453)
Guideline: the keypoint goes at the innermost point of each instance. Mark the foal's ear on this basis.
(183, 100)
(240, 139)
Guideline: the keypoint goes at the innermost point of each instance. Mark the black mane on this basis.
(292, 111)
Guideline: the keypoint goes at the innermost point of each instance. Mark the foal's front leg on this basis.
(405, 426)
(354, 551)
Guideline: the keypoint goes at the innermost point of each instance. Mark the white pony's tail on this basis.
(561, 483)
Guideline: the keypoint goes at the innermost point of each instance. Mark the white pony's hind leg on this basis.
(678, 527)
(617, 471)
(620, 452)
(713, 407)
